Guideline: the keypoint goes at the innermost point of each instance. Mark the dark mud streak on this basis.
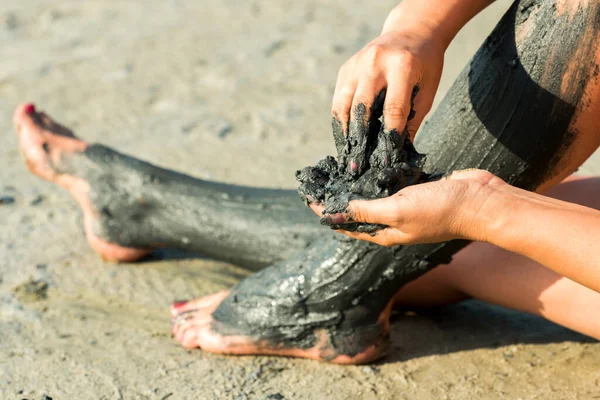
(501, 115)
(141, 205)
(516, 92)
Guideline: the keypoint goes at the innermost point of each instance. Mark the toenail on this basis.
(179, 304)
(29, 109)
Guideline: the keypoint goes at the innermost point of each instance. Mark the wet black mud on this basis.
(371, 163)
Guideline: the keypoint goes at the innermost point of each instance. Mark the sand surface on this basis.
(218, 90)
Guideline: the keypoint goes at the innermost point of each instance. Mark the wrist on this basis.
(444, 19)
(407, 16)
(488, 215)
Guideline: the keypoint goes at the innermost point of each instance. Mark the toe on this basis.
(176, 306)
(56, 128)
(185, 331)
(189, 337)
(43, 148)
(22, 111)
(24, 115)
(201, 315)
(210, 302)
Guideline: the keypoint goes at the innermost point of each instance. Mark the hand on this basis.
(398, 60)
(458, 206)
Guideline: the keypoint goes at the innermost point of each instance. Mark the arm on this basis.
(477, 205)
(564, 237)
(443, 18)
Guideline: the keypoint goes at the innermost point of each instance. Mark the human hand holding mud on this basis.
(456, 207)
(331, 299)
(382, 95)
(477, 205)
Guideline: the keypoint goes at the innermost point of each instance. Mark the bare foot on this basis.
(46, 145)
(194, 326)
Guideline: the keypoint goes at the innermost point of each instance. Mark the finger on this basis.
(421, 104)
(345, 88)
(317, 208)
(366, 109)
(386, 211)
(340, 120)
(398, 100)
(383, 237)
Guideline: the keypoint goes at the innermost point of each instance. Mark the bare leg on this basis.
(131, 206)
(524, 112)
(491, 274)
(523, 109)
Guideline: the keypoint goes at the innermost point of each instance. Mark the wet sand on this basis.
(217, 90)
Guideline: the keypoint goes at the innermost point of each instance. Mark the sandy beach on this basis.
(240, 92)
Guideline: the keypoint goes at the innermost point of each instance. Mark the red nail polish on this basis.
(353, 166)
(29, 109)
(179, 304)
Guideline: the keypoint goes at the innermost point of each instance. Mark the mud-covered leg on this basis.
(131, 206)
(524, 109)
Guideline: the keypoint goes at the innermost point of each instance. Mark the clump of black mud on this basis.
(372, 163)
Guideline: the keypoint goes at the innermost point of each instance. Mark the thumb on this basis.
(385, 211)
(473, 174)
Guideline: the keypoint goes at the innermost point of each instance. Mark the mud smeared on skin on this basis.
(518, 99)
(342, 286)
(339, 286)
(141, 205)
(327, 284)
(372, 163)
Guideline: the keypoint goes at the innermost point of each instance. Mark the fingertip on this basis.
(334, 219)
(342, 103)
(395, 114)
(317, 208)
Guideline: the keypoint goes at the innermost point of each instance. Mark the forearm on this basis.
(445, 18)
(562, 236)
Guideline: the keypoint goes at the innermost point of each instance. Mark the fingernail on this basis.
(333, 219)
(29, 109)
(353, 166)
